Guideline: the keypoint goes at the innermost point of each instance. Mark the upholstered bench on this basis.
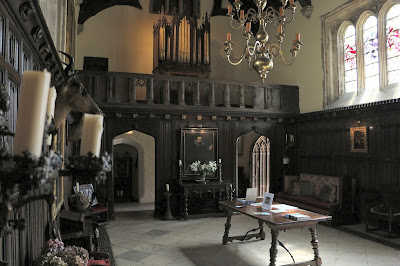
(318, 193)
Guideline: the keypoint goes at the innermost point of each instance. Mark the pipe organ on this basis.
(180, 47)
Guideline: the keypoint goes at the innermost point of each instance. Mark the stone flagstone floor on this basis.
(139, 239)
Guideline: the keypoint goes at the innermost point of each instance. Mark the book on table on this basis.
(297, 216)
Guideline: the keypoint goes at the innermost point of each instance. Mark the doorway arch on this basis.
(145, 145)
(252, 158)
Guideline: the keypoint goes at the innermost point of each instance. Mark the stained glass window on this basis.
(393, 44)
(350, 61)
(371, 60)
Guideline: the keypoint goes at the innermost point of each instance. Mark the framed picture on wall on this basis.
(358, 139)
(198, 144)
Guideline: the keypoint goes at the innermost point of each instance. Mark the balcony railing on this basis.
(140, 91)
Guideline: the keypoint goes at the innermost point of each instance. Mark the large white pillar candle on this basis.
(32, 112)
(51, 102)
(91, 134)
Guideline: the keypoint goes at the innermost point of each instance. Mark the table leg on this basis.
(262, 233)
(273, 251)
(185, 205)
(314, 244)
(227, 227)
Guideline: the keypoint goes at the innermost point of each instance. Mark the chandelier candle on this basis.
(91, 134)
(51, 102)
(32, 112)
(261, 53)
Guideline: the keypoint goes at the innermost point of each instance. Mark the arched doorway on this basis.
(143, 163)
(253, 157)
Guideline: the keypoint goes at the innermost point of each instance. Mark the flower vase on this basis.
(203, 177)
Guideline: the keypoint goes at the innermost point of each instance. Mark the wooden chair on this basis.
(387, 210)
(99, 206)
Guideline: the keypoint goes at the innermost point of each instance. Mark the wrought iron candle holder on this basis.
(85, 168)
(24, 179)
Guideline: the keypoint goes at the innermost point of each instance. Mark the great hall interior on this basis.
(149, 132)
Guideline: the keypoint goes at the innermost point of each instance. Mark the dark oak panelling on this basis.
(323, 143)
(167, 147)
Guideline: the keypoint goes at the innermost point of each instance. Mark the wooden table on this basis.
(276, 222)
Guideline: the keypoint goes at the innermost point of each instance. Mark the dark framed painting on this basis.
(198, 144)
(358, 139)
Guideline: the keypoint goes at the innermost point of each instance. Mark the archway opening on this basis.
(134, 171)
(253, 159)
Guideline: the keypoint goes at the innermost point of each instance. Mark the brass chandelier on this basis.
(260, 55)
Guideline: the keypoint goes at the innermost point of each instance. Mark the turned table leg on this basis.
(273, 251)
(227, 227)
(262, 233)
(314, 244)
(185, 205)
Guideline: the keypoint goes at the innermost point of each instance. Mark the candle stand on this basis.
(167, 215)
(23, 178)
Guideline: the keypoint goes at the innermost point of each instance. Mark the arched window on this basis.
(371, 59)
(350, 61)
(393, 44)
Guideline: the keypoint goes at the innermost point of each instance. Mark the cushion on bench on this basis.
(309, 200)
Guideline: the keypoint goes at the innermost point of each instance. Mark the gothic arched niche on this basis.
(90, 8)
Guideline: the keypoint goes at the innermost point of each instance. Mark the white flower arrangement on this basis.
(211, 167)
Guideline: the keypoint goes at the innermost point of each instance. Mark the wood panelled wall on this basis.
(167, 147)
(323, 144)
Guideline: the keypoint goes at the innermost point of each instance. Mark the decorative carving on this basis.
(135, 115)
(199, 117)
(214, 117)
(141, 82)
(44, 48)
(25, 10)
(37, 33)
(183, 117)
(307, 11)
(118, 115)
(229, 118)
(152, 115)
(167, 117)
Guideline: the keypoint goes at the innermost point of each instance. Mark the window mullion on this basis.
(382, 40)
(360, 58)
